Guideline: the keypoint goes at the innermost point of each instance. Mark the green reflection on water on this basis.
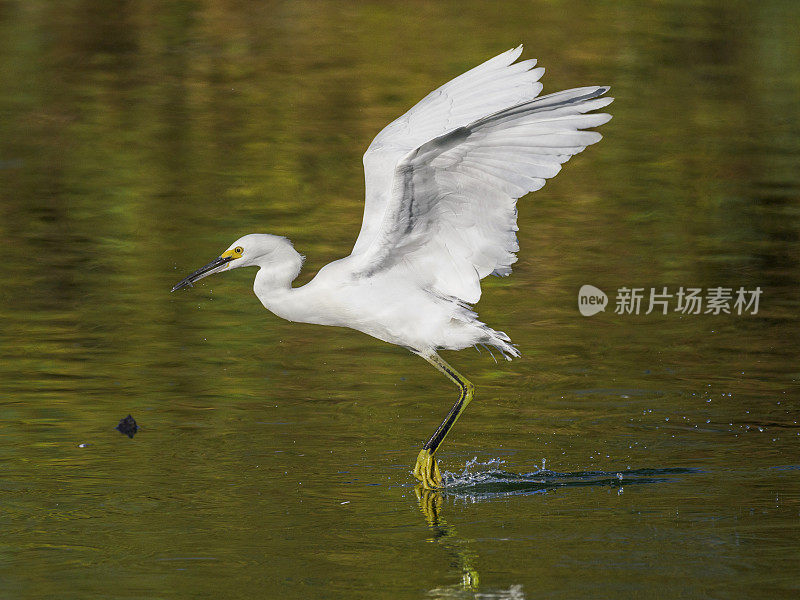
(137, 140)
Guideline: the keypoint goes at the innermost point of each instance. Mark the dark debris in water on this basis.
(127, 426)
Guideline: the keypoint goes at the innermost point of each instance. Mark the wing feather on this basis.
(443, 180)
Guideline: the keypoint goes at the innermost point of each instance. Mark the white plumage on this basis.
(442, 183)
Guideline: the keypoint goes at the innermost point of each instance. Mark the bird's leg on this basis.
(426, 469)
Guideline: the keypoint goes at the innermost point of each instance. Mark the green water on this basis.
(139, 139)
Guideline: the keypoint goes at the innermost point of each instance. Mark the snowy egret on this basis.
(440, 214)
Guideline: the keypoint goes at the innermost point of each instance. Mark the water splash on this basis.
(486, 480)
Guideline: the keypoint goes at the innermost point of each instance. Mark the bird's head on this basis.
(251, 250)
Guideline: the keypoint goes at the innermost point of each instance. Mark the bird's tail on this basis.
(472, 332)
(500, 341)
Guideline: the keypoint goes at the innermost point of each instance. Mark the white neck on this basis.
(273, 283)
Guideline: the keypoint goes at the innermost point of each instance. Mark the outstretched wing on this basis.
(443, 179)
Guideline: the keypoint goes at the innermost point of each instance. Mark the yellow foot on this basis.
(427, 471)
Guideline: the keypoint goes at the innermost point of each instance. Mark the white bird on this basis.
(442, 183)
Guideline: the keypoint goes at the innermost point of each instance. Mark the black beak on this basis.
(208, 269)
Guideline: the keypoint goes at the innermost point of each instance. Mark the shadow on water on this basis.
(484, 481)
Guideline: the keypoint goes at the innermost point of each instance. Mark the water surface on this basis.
(622, 456)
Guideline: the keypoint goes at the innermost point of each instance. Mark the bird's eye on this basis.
(238, 249)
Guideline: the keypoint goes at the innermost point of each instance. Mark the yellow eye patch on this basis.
(234, 253)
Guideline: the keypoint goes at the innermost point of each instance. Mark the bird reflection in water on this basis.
(430, 503)
(443, 533)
